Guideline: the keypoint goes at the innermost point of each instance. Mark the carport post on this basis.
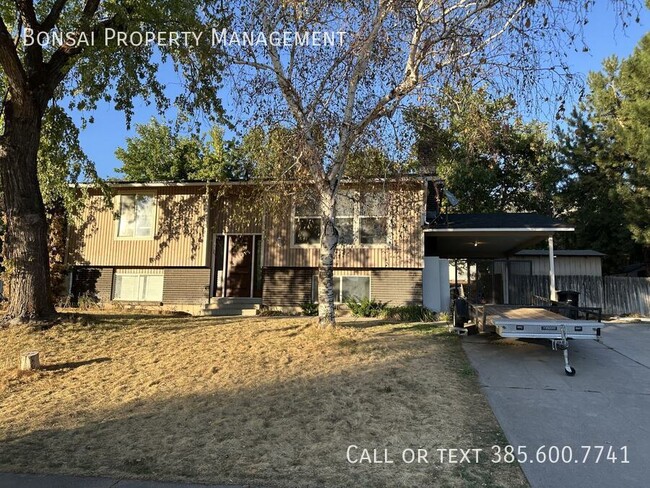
(551, 261)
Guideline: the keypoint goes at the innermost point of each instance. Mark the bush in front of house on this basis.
(365, 307)
(410, 313)
(309, 308)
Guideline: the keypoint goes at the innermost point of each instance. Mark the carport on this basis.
(480, 237)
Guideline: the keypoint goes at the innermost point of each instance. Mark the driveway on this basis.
(607, 403)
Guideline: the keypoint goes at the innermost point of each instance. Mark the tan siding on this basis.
(564, 265)
(93, 281)
(178, 239)
(288, 287)
(350, 272)
(397, 286)
(183, 285)
(404, 251)
(236, 211)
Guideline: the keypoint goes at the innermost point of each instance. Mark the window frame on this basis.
(362, 215)
(294, 218)
(154, 225)
(356, 224)
(142, 277)
(354, 197)
(339, 278)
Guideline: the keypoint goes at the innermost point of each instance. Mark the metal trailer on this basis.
(546, 322)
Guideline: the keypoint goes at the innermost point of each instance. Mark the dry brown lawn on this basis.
(264, 401)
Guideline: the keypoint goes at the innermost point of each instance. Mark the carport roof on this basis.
(482, 236)
(498, 221)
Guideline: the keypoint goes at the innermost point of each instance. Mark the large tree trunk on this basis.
(25, 251)
(328, 241)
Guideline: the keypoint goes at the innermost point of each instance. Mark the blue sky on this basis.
(604, 35)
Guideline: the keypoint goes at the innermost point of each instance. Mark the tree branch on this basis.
(26, 8)
(10, 62)
(346, 132)
(53, 16)
(294, 102)
(59, 64)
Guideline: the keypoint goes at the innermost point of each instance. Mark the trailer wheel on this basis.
(570, 371)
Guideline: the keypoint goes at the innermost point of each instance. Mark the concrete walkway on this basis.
(607, 403)
(56, 481)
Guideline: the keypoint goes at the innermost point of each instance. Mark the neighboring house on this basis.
(585, 262)
(210, 248)
(535, 262)
(501, 280)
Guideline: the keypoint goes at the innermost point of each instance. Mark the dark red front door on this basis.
(240, 266)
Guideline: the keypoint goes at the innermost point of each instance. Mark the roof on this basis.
(496, 222)
(493, 235)
(562, 252)
(252, 181)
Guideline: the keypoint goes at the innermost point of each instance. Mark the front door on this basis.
(240, 266)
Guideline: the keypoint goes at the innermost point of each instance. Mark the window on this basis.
(345, 287)
(138, 285)
(360, 220)
(345, 208)
(373, 223)
(306, 222)
(355, 287)
(137, 216)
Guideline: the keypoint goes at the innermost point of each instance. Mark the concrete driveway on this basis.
(607, 403)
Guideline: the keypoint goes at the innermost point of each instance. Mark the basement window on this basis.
(138, 285)
(345, 287)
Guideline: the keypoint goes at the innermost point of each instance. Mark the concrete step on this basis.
(235, 301)
(229, 306)
(229, 312)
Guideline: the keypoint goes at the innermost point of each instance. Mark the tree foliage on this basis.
(588, 198)
(618, 108)
(605, 151)
(160, 153)
(488, 157)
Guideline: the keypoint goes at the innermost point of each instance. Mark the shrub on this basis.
(87, 301)
(365, 307)
(444, 317)
(410, 313)
(309, 308)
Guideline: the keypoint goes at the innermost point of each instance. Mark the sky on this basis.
(603, 34)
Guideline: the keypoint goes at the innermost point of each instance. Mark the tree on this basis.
(159, 153)
(487, 156)
(618, 108)
(606, 152)
(341, 96)
(588, 198)
(35, 74)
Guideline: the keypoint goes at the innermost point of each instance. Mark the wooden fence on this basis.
(615, 295)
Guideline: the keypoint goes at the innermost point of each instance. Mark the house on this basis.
(212, 248)
(201, 246)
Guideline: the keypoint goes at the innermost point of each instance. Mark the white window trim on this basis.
(137, 273)
(118, 204)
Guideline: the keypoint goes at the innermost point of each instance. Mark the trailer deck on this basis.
(540, 323)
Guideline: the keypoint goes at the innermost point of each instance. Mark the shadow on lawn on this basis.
(73, 365)
(289, 432)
